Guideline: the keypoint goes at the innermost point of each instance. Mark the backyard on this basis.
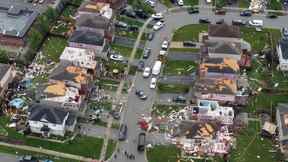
(163, 153)
(182, 67)
(251, 147)
(53, 47)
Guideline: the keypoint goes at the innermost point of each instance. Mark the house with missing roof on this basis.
(15, 24)
(282, 52)
(7, 74)
(217, 89)
(219, 68)
(115, 4)
(83, 58)
(61, 95)
(72, 76)
(50, 120)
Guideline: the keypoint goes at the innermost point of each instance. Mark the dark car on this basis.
(151, 36)
(193, 10)
(220, 12)
(130, 13)
(189, 44)
(284, 32)
(141, 14)
(133, 28)
(204, 21)
(146, 53)
(272, 16)
(246, 13)
(239, 22)
(179, 99)
(141, 94)
(221, 21)
(122, 132)
(141, 141)
(140, 65)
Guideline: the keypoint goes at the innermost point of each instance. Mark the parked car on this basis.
(141, 94)
(189, 44)
(180, 2)
(165, 45)
(141, 14)
(158, 25)
(221, 21)
(122, 135)
(121, 24)
(116, 57)
(133, 28)
(140, 65)
(141, 142)
(151, 36)
(284, 32)
(146, 53)
(157, 16)
(193, 10)
(151, 3)
(239, 22)
(153, 83)
(256, 23)
(272, 16)
(204, 21)
(179, 99)
(220, 12)
(156, 67)
(146, 72)
(27, 158)
(130, 13)
(246, 13)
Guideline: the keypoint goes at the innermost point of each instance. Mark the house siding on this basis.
(283, 63)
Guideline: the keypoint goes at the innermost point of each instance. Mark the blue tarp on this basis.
(17, 103)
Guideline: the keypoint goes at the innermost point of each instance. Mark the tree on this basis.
(4, 57)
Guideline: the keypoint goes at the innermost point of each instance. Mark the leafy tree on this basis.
(4, 57)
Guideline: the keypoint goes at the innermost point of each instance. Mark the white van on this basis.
(256, 23)
(156, 68)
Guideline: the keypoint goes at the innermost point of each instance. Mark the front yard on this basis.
(53, 47)
(126, 51)
(179, 67)
(189, 32)
(163, 153)
(81, 145)
(173, 88)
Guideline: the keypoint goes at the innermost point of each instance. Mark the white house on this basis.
(50, 120)
(282, 51)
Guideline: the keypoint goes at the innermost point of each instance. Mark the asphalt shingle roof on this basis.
(224, 30)
(284, 48)
(87, 37)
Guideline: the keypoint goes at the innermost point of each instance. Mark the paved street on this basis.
(7, 158)
(137, 107)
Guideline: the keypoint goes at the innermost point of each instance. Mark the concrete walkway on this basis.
(47, 152)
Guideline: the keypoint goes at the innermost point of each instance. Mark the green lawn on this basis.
(130, 21)
(191, 2)
(104, 105)
(167, 3)
(164, 110)
(110, 148)
(53, 47)
(140, 4)
(250, 145)
(189, 32)
(163, 153)
(19, 152)
(179, 67)
(275, 4)
(244, 3)
(173, 88)
(259, 40)
(81, 145)
(196, 50)
(132, 35)
(126, 51)
(69, 11)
